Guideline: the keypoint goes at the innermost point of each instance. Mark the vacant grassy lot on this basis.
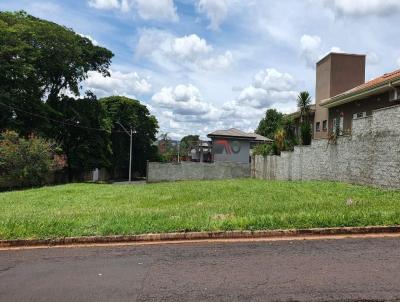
(94, 209)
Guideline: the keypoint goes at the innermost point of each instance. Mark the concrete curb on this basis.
(201, 236)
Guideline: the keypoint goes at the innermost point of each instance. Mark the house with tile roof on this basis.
(234, 145)
(342, 94)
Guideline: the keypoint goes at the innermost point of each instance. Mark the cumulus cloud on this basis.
(189, 51)
(363, 7)
(269, 86)
(183, 107)
(219, 62)
(163, 10)
(182, 100)
(190, 47)
(215, 10)
(119, 83)
(310, 49)
(157, 10)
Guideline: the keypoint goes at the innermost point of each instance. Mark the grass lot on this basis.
(96, 209)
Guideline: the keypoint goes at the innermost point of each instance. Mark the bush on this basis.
(305, 134)
(25, 162)
(263, 149)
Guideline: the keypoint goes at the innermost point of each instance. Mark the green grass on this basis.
(246, 204)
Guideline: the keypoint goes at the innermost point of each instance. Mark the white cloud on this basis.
(310, 49)
(157, 10)
(163, 10)
(363, 7)
(183, 107)
(215, 10)
(398, 62)
(172, 52)
(190, 47)
(104, 4)
(219, 62)
(184, 100)
(269, 86)
(119, 83)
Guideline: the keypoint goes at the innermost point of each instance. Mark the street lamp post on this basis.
(130, 134)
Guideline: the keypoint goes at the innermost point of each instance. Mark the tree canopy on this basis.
(39, 60)
(131, 114)
(271, 122)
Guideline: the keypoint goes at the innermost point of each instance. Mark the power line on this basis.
(56, 120)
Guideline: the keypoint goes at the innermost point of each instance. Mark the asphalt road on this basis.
(323, 270)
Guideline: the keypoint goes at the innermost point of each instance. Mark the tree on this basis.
(84, 136)
(39, 60)
(25, 162)
(187, 142)
(270, 123)
(131, 114)
(303, 103)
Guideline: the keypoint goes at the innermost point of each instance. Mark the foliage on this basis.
(245, 204)
(263, 149)
(187, 142)
(280, 140)
(289, 127)
(25, 162)
(39, 60)
(85, 136)
(131, 114)
(305, 133)
(270, 123)
(167, 150)
(304, 103)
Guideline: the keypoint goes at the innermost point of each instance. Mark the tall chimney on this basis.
(336, 73)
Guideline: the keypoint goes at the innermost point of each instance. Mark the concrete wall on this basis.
(157, 172)
(231, 155)
(371, 155)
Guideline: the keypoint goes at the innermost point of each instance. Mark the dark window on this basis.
(324, 125)
(318, 127)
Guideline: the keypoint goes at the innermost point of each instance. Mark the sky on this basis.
(203, 65)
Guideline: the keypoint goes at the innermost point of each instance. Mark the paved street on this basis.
(323, 270)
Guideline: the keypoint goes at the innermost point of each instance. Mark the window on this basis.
(325, 125)
(359, 115)
(318, 127)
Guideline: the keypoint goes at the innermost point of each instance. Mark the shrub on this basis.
(263, 149)
(305, 133)
(25, 162)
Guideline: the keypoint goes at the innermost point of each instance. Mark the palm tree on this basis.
(303, 103)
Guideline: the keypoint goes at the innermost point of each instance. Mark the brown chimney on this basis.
(336, 73)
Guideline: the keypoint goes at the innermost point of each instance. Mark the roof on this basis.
(378, 84)
(233, 132)
(260, 138)
(296, 114)
(339, 54)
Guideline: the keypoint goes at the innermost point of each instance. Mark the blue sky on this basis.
(202, 65)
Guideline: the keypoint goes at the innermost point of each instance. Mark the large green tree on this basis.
(39, 60)
(271, 122)
(83, 134)
(130, 114)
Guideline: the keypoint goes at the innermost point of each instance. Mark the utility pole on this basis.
(130, 134)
